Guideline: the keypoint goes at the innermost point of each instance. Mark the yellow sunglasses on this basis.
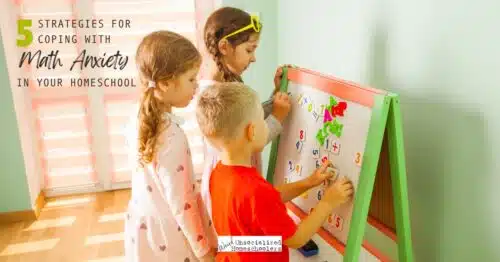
(254, 23)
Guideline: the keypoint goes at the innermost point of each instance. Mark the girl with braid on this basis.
(165, 220)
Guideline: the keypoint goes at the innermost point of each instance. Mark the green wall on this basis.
(14, 191)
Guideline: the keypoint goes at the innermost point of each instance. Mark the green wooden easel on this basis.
(386, 116)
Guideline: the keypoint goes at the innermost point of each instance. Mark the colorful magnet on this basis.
(327, 144)
(298, 169)
(286, 180)
(327, 117)
(298, 146)
(290, 166)
(333, 103)
(335, 147)
(336, 128)
(338, 222)
(358, 157)
(321, 136)
(310, 107)
(306, 100)
(315, 115)
(320, 193)
(315, 152)
(318, 163)
(324, 157)
(299, 99)
(339, 109)
(330, 219)
(302, 135)
(320, 109)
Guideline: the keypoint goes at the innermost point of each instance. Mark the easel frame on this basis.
(386, 116)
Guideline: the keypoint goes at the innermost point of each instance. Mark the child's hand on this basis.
(320, 175)
(281, 106)
(278, 76)
(339, 192)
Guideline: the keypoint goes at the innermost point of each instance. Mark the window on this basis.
(79, 130)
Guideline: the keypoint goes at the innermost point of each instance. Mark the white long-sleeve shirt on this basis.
(166, 218)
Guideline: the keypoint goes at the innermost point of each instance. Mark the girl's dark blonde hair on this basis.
(161, 56)
(221, 23)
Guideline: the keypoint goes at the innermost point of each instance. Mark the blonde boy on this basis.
(242, 202)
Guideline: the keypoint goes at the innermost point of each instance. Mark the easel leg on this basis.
(399, 182)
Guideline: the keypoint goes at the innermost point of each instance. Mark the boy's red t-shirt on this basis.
(245, 204)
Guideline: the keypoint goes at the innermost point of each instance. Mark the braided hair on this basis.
(161, 56)
(221, 23)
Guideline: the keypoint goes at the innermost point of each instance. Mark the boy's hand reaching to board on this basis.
(339, 192)
(321, 174)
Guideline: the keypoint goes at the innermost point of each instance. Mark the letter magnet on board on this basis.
(298, 169)
(324, 156)
(315, 115)
(310, 106)
(338, 222)
(327, 143)
(302, 135)
(298, 146)
(291, 166)
(335, 147)
(320, 109)
(316, 152)
(299, 99)
(305, 100)
(319, 195)
(358, 158)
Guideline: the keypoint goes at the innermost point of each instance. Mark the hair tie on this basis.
(151, 84)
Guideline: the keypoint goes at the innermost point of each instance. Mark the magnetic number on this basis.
(315, 152)
(301, 135)
(337, 222)
(319, 195)
(358, 158)
(310, 107)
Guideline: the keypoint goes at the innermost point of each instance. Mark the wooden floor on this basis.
(88, 228)
(70, 229)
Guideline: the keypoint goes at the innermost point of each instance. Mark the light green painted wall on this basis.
(14, 192)
(443, 58)
(260, 75)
